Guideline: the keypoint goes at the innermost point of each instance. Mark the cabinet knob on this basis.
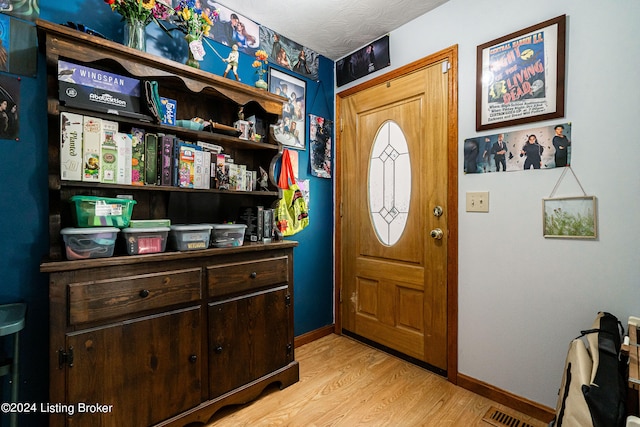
(218, 349)
(144, 293)
(193, 358)
(253, 275)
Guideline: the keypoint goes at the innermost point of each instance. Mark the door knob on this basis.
(437, 234)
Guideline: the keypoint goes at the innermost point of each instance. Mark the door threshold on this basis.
(396, 353)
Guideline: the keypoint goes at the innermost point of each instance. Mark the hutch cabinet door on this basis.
(149, 369)
(249, 338)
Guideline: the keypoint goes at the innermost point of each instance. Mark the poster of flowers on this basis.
(320, 137)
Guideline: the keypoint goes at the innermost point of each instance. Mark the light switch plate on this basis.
(477, 201)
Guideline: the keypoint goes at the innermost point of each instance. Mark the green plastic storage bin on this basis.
(93, 211)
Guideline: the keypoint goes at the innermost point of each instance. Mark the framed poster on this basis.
(290, 130)
(570, 217)
(520, 77)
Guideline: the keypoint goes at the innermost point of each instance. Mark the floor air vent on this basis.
(496, 417)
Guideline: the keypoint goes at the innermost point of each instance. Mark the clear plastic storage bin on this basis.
(227, 235)
(83, 243)
(145, 240)
(190, 237)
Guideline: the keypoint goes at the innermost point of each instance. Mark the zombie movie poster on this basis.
(518, 70)
(519, 77)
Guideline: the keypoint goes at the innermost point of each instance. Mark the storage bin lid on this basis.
(228, 226)
(88, 230)
(120, 200)
(190, 227)
(145, 230)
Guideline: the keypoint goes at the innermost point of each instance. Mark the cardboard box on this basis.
(71, 167)
(168, 113)
(166, 161)
(252, 217)
(91, 148)
(124, 144)
(151, 159)
(97, 90)
(109, 153)
(186, 166)
(137, 156)
(222, 172)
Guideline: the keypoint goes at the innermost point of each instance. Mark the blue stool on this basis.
(11, 323)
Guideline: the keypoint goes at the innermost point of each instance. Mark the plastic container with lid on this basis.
(83, 243)
(145, 240)
(93, 211)
(183, 237)
(227, 235)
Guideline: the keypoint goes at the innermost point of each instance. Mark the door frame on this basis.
(451, 55)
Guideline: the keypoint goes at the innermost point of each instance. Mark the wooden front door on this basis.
(395, 206)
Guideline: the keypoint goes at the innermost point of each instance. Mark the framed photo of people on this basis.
(291, 129)
(520, 77)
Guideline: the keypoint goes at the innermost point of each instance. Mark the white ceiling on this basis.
(332, 28)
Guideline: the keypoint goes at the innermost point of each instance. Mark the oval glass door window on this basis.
(389, 183)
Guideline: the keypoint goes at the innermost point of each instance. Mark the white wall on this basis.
(522, 297)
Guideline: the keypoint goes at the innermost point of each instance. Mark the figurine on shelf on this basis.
(232, 62)
(263, 181)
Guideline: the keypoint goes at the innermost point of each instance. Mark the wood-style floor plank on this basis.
(345, 383)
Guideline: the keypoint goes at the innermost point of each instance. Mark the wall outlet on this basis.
(477, 201)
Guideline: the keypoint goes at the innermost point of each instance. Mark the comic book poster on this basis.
(520, 79)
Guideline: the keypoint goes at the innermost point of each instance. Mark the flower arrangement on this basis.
(143, 11)
(192, 20)
(260, 62)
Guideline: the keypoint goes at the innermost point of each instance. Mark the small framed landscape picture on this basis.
(570, 218)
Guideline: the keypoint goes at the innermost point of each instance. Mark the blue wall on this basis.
(24, 205)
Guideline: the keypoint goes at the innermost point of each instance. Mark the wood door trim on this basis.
(451, 55)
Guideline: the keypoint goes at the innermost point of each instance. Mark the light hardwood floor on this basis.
(346, 383)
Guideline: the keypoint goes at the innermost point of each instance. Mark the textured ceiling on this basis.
(332, 28)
